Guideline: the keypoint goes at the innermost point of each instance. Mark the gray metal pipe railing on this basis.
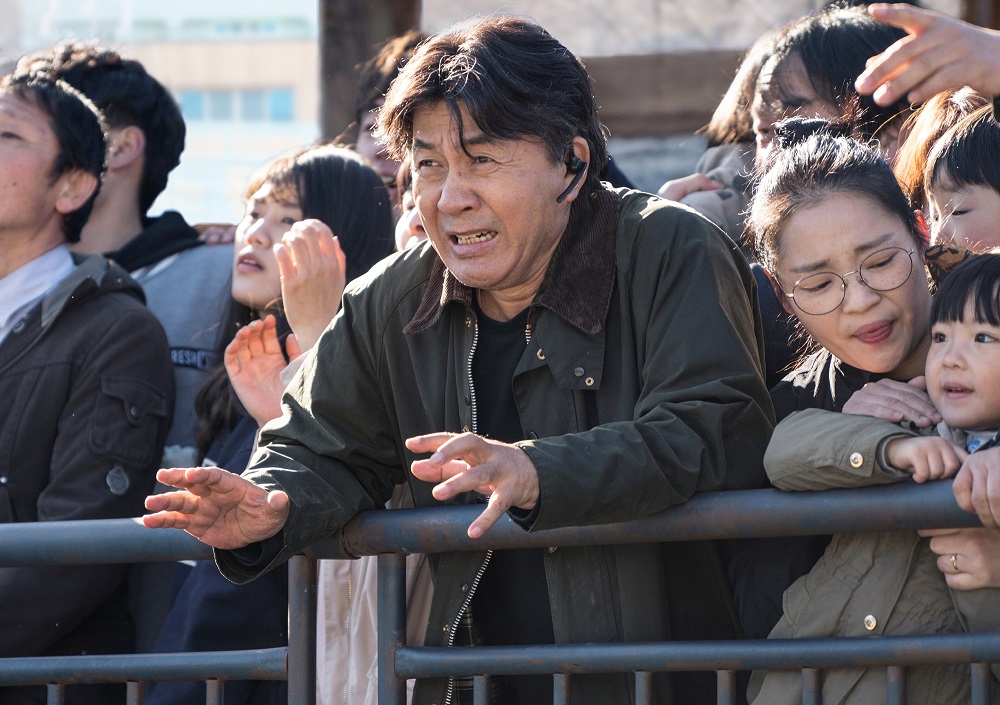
(390, 534)
(715, 515)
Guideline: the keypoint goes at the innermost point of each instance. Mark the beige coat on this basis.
(347, 622)
(865, 584)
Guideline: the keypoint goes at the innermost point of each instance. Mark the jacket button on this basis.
(589, 381)
(19, 326)
(445, 629)
(465, 587)
(870, 622)
(3, 480)
(134, 411)
(468, 400)
(532, 435)
(578, 372)
(857, 460)
(553, 549)
(540, 355)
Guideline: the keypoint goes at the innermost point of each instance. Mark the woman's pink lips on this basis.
(874, 333)
(248, 263)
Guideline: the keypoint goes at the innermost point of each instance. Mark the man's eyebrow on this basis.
(476, 139)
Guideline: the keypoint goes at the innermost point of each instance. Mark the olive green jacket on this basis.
(639, 385)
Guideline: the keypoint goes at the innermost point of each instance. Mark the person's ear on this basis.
(74, 187)
(125, 146)
(577, 166)
(783, 301)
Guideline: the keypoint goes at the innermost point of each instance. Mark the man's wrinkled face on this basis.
(490, 212)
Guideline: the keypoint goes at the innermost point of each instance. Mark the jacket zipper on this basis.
(489, 553)
(347, 630)
(449, 693)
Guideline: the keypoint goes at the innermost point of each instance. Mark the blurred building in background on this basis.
(249, 74)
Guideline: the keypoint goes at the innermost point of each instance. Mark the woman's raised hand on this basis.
(254, 362)
(313, 276)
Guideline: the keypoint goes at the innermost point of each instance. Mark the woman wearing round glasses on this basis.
(845, 254)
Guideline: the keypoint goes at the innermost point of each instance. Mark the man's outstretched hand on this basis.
(217, 507)
(471, 463)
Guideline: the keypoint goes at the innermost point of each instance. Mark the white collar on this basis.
(30, 282)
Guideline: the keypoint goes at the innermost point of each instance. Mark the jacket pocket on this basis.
(127, 420)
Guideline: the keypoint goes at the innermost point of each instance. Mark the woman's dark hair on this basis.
(921, 132)
(731, 121)
(333, 185)
(834, 44)
(968, 154)
(975, 281)
(514, 80)
(811, 160)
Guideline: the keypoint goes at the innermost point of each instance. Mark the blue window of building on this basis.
(220, 105)
(252, 105)
(192, 104)
(280, 105)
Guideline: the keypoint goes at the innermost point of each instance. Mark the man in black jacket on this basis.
(84, 374)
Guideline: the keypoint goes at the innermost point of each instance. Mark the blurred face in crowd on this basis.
(375, 154)
(409, 230)
(784, 91)
(490, 212)
(884, 332)
(967, 215)
(269, 215)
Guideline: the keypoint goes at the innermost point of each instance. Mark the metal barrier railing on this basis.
(391, 534)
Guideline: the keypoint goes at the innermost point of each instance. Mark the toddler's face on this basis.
(963, 373)
(966, 215)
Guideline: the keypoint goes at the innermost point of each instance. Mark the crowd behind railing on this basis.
(469, 318)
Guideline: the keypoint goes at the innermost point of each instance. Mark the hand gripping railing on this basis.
(391, 534)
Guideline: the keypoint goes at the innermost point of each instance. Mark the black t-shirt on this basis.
(511, 605)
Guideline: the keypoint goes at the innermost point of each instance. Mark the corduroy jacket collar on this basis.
(580, 278)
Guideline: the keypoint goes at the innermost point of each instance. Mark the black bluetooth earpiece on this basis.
(574, 165)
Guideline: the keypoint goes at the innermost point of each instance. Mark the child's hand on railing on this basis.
(924, 457)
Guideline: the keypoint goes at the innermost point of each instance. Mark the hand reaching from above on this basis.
(217, 507)
(254, 363)
(925, 457)
(471, 463)
(938, 53)
(313, 276)
(895, 401)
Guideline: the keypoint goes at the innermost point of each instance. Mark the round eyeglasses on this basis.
(882, 270)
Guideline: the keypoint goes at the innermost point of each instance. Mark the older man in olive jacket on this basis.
(576, 354)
